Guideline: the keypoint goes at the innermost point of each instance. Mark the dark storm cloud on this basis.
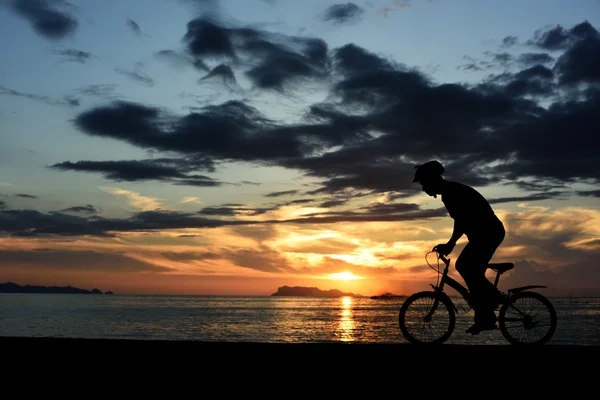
(533, 81)
(229, 131)
(31, 223)
(205, 38)
(581, 62)
(589, 193)
(46, 17)
(34, 223)
(559, 38)
(274, 60)
(382, 117)
(88, 209)
(73, 55)
(26, 196)
(531, 59)
(222, 72)
(2, 205)
(505, 61)
(160, 169)
(343, 13)
(65, 101)
(533, 197)
(284, 193)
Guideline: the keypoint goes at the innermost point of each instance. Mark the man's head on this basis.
(430, 177)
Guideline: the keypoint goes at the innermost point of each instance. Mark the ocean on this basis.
(270, 319)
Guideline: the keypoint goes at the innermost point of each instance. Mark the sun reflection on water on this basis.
(346, 325)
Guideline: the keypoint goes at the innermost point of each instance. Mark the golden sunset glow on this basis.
(281, 155)
(346, 325)
(344, 276)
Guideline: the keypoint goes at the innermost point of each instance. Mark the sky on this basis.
(213, 147)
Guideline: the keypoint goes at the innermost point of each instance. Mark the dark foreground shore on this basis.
(103, 347)
(147, 364)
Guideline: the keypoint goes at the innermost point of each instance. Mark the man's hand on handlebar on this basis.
(444, 249)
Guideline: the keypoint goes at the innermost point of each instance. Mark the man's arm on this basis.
(456, 233)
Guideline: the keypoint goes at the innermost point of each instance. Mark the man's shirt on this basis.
(470, 209)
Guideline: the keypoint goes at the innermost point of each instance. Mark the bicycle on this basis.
(525, 318)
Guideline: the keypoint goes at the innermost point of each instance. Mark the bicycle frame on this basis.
(440, 288)
(463, 291)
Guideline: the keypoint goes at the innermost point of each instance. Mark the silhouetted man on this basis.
(473, 216)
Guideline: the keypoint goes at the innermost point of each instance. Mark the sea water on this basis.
(252, 319)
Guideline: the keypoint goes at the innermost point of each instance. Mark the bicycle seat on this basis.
(501, 267)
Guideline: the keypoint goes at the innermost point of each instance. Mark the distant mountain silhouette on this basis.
(311, 292)
(10, 287)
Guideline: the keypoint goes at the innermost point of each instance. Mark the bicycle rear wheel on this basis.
(527, 319)
(418, 326)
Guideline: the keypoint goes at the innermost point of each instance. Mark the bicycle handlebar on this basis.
(441, 256)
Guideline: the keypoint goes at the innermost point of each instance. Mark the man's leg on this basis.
(471, 265)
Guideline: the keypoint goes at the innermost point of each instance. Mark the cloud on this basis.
(135, 199)
(176, 171)
(87, 209)
(379, 118)
(343, 13)
(74, 260)
(284, 193)
(73, 55)
(153, 217)
(273, 60)
(134, 27)
(559, 38)
(532, 59)
(509, 41)
(187, 200)
(46, 17)
(589, 193)
(70, 101)
(138, 76)
(396, 5)
(103, 91)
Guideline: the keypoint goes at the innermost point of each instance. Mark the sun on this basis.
(344, 276)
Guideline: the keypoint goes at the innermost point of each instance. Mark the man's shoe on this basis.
(476, 329)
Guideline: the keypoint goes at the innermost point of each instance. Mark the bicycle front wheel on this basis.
(527, 319)
(420, 324)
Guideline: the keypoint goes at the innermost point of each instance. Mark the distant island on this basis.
(10, 287)
(311, 292)
(387, 296)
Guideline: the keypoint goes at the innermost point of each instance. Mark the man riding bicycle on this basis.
(473, 217)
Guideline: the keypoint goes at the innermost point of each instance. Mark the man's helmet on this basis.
(431, 169)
